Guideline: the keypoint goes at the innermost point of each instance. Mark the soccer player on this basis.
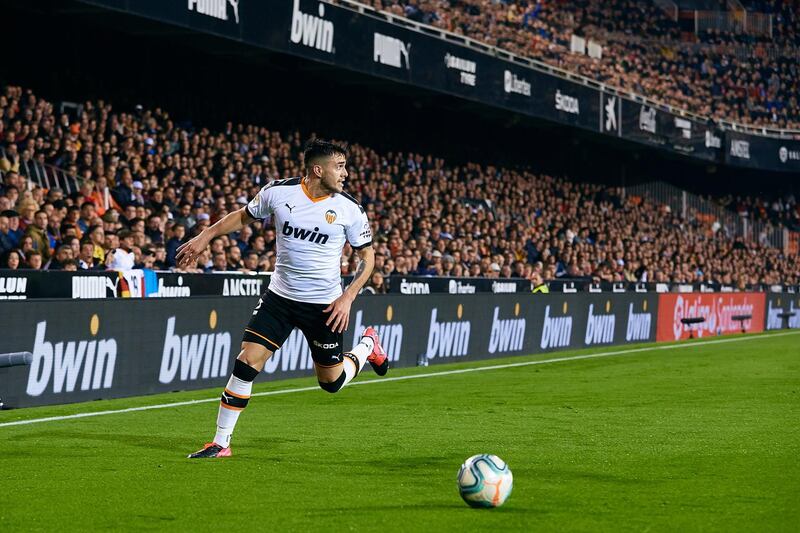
(313, 218)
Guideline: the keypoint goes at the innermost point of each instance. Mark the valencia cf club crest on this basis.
(330, 216)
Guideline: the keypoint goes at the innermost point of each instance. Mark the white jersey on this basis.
(310, 236)
(121, 260)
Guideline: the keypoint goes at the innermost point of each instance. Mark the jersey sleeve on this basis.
(359, 233)
(260, 207)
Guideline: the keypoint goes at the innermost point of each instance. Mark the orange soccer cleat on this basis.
(378, 358)
(211, 450)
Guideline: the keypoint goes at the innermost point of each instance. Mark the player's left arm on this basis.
(339, 310)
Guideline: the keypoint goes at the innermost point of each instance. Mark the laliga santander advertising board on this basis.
(718, 309)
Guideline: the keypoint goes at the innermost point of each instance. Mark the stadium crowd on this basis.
(642, 51)
(147, 184)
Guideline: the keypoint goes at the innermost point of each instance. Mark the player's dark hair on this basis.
(317, 148)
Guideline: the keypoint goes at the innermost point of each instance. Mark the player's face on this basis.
(334, 172)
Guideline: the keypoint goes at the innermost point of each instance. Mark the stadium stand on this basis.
(723, 75)
(142, 173)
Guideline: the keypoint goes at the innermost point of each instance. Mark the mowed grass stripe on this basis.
(503, 366)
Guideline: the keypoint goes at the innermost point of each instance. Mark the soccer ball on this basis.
(485, 480)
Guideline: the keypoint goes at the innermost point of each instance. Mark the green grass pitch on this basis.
(687, 439)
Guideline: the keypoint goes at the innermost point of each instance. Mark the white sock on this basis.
(228, 415)
(361, 351)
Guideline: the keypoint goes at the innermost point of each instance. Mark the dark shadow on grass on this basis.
(178, 446)
(603, 477)
(141, 441)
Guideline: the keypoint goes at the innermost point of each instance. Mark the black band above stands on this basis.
(354, 41)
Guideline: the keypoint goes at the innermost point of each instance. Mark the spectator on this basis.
(160, 262)
(123, 193)
(33, 260)
(219, 262)
(97, 236)
(62, 255)
(375, 285)
(251, 262)
(234, 256)
(178, 235)
(27, 211)
(86, 259)
(147, 259)
(122, 258)
(10, 260)
(14, 231)
(87, 215)
(37, 231)
(6, 239)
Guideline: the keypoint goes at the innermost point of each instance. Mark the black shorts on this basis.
(275, 317)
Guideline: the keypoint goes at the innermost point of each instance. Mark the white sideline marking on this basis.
(401, 378)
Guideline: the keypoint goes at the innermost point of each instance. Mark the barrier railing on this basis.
(45, 176)
(739, 21)
(693, 207)
(669, 7)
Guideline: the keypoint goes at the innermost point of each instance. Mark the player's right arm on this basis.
(258, 208)
(189, 251)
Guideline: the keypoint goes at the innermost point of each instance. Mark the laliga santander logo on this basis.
(718, 310)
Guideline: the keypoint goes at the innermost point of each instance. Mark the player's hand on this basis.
(340, 313)
(188, 252)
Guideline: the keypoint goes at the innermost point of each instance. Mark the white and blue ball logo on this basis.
(485, 480)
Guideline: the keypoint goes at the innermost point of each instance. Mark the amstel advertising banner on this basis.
(717, 309)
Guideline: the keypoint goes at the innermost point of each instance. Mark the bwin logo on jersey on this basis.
(507, 335)
(447, 339)
(638, 325)
(92, 360)
(556, 331)
(189, 353)
(391, 335)
(311, 31)
(600, 328)
(304, 234)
